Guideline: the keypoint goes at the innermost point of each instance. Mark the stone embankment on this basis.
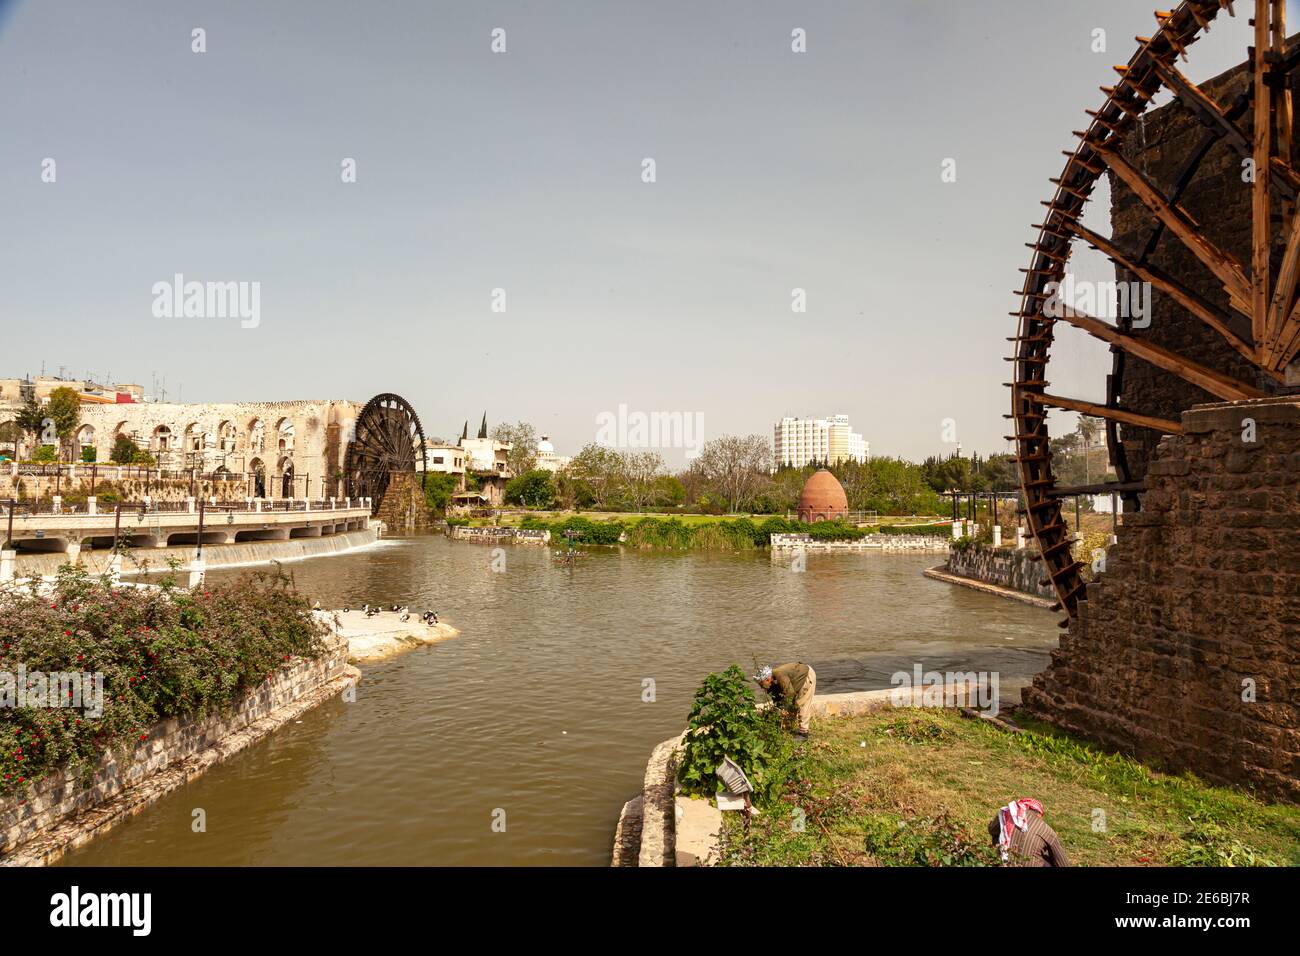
(785, 543)
(497, 535)
(65, 811)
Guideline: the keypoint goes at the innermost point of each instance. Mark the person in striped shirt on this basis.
(1024, 838)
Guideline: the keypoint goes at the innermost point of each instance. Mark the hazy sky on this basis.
(523, 171)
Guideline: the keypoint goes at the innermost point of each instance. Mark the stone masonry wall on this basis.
(47, 802)
(403, 508)
(1198, 606)
(1007, 567)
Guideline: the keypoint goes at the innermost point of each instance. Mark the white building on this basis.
(444, 459)
(487, 455)
(547, 459)
(802, 441)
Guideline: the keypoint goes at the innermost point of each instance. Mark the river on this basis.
(536, 709)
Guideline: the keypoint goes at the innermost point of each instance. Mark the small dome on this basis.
(822, 498)
(544, 447)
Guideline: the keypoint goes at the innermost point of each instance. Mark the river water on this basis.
(536, 709)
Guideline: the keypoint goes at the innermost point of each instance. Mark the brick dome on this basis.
(822, 498)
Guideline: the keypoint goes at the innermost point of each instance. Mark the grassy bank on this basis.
(696, 532)
(919, 788)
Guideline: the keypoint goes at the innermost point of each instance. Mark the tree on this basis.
(596, 472)
(668, 492)
(638, 472)
(64, 408)
(31, 417)
(532, 489)
(522, 456)
(482, 429)
(1089, 428)
(733, 468)
(124, 452)
(438, 489)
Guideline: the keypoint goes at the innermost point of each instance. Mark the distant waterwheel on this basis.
(388, 440)
(1257, 315)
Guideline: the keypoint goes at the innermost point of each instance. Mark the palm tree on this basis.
(1088, 429)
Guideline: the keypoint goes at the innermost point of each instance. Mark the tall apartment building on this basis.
(800, 441)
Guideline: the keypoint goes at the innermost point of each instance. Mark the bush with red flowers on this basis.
(163, 652)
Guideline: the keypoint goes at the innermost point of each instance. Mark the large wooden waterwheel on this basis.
(388, 439)
(1257, 315)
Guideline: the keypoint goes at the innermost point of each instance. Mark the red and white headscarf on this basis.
(1013, 815)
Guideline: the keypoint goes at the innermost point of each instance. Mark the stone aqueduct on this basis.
(279, 449)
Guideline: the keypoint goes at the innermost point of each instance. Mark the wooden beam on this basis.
(1263, 149)
(1283, 294)
(1188, 230)
(1283, 111)
(1214, 382)
(1193, 97)
(1281, 306)
(1185, 297)
(1102, 411)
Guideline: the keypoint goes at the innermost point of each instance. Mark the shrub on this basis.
(927, 841)
(725, 722)
(836, 530)
(46, 453)
(89, 454)
(163, 652)
(1207, 843)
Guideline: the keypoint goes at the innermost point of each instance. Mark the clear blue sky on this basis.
(522, 171)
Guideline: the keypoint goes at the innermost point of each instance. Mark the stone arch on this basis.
(10, 435)
(285, 471)
(284, 436)
(257, 478)
(257, 436)
(227, 437)
(162, 439)
(85, 438)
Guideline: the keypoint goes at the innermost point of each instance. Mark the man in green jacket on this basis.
(791, 687)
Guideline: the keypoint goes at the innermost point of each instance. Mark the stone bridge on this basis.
(155, 525)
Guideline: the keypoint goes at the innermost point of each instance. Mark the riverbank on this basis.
(378, 638)
(705, 532)
(918, 787)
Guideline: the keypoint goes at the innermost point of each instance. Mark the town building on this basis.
(442, 458)
(547, 459)
(824, 441)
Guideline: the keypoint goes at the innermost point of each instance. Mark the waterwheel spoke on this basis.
(1215, 382)
(1263, 150)
(1176, 220)
(1105, 411)
(1188, 299)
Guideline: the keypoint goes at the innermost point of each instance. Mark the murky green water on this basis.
(536, 709)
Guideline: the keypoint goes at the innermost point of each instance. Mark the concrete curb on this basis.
(939, 574)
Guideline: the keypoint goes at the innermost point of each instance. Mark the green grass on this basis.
(918, 787)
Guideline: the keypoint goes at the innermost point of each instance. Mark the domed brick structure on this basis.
(822, 498)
